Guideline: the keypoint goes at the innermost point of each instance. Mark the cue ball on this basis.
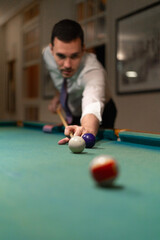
(76, 144)
(104, 170)
(90, 139)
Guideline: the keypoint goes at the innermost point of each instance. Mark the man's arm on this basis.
(54, 104)
(90, 123)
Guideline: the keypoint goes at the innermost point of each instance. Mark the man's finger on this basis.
(63, 141)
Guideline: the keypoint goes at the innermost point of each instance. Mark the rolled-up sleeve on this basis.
(94, 94)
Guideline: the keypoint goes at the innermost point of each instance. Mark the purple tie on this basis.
(64, 101)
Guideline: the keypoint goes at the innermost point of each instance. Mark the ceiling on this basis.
(8, 8)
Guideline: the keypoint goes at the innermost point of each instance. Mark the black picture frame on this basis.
(138, 51)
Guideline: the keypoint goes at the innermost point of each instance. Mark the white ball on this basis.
(76, 144)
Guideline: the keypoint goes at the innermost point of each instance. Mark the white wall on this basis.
(138, 111)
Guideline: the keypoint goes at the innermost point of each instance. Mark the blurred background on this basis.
(125, 36)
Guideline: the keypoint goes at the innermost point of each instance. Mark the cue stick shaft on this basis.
(63, 120)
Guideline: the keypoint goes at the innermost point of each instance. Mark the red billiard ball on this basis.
(90, 139)
(104, 169)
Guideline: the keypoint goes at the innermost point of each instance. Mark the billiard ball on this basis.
(90, 139)
(76, 144)
(104, 170)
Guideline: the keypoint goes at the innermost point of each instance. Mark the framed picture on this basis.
(138, 51)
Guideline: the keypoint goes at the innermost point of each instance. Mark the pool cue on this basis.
(63, 120)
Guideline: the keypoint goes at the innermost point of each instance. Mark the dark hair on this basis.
(67, 30)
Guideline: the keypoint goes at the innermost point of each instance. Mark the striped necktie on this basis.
(64, 101)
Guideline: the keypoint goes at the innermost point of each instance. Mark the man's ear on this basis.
(51, 46)
(83, 49)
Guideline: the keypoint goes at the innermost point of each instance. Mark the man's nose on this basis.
(67, 63)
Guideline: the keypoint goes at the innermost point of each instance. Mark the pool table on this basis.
(47, 192)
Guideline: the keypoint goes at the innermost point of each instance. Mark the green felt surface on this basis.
(46, 192)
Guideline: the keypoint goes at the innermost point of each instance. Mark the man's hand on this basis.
(64, 141)
(54, 104)
(90, 124)
(74, 130)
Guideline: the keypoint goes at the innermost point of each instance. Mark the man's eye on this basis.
(61, 56)
(74, 56)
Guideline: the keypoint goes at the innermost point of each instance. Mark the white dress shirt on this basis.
(88, 88)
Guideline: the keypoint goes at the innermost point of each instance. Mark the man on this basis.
(88, 100)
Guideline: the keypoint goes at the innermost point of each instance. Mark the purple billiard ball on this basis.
(90, 139)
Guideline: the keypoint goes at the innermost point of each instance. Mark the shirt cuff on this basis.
(95, 109)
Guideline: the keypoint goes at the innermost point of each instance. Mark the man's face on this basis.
(67, 56)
